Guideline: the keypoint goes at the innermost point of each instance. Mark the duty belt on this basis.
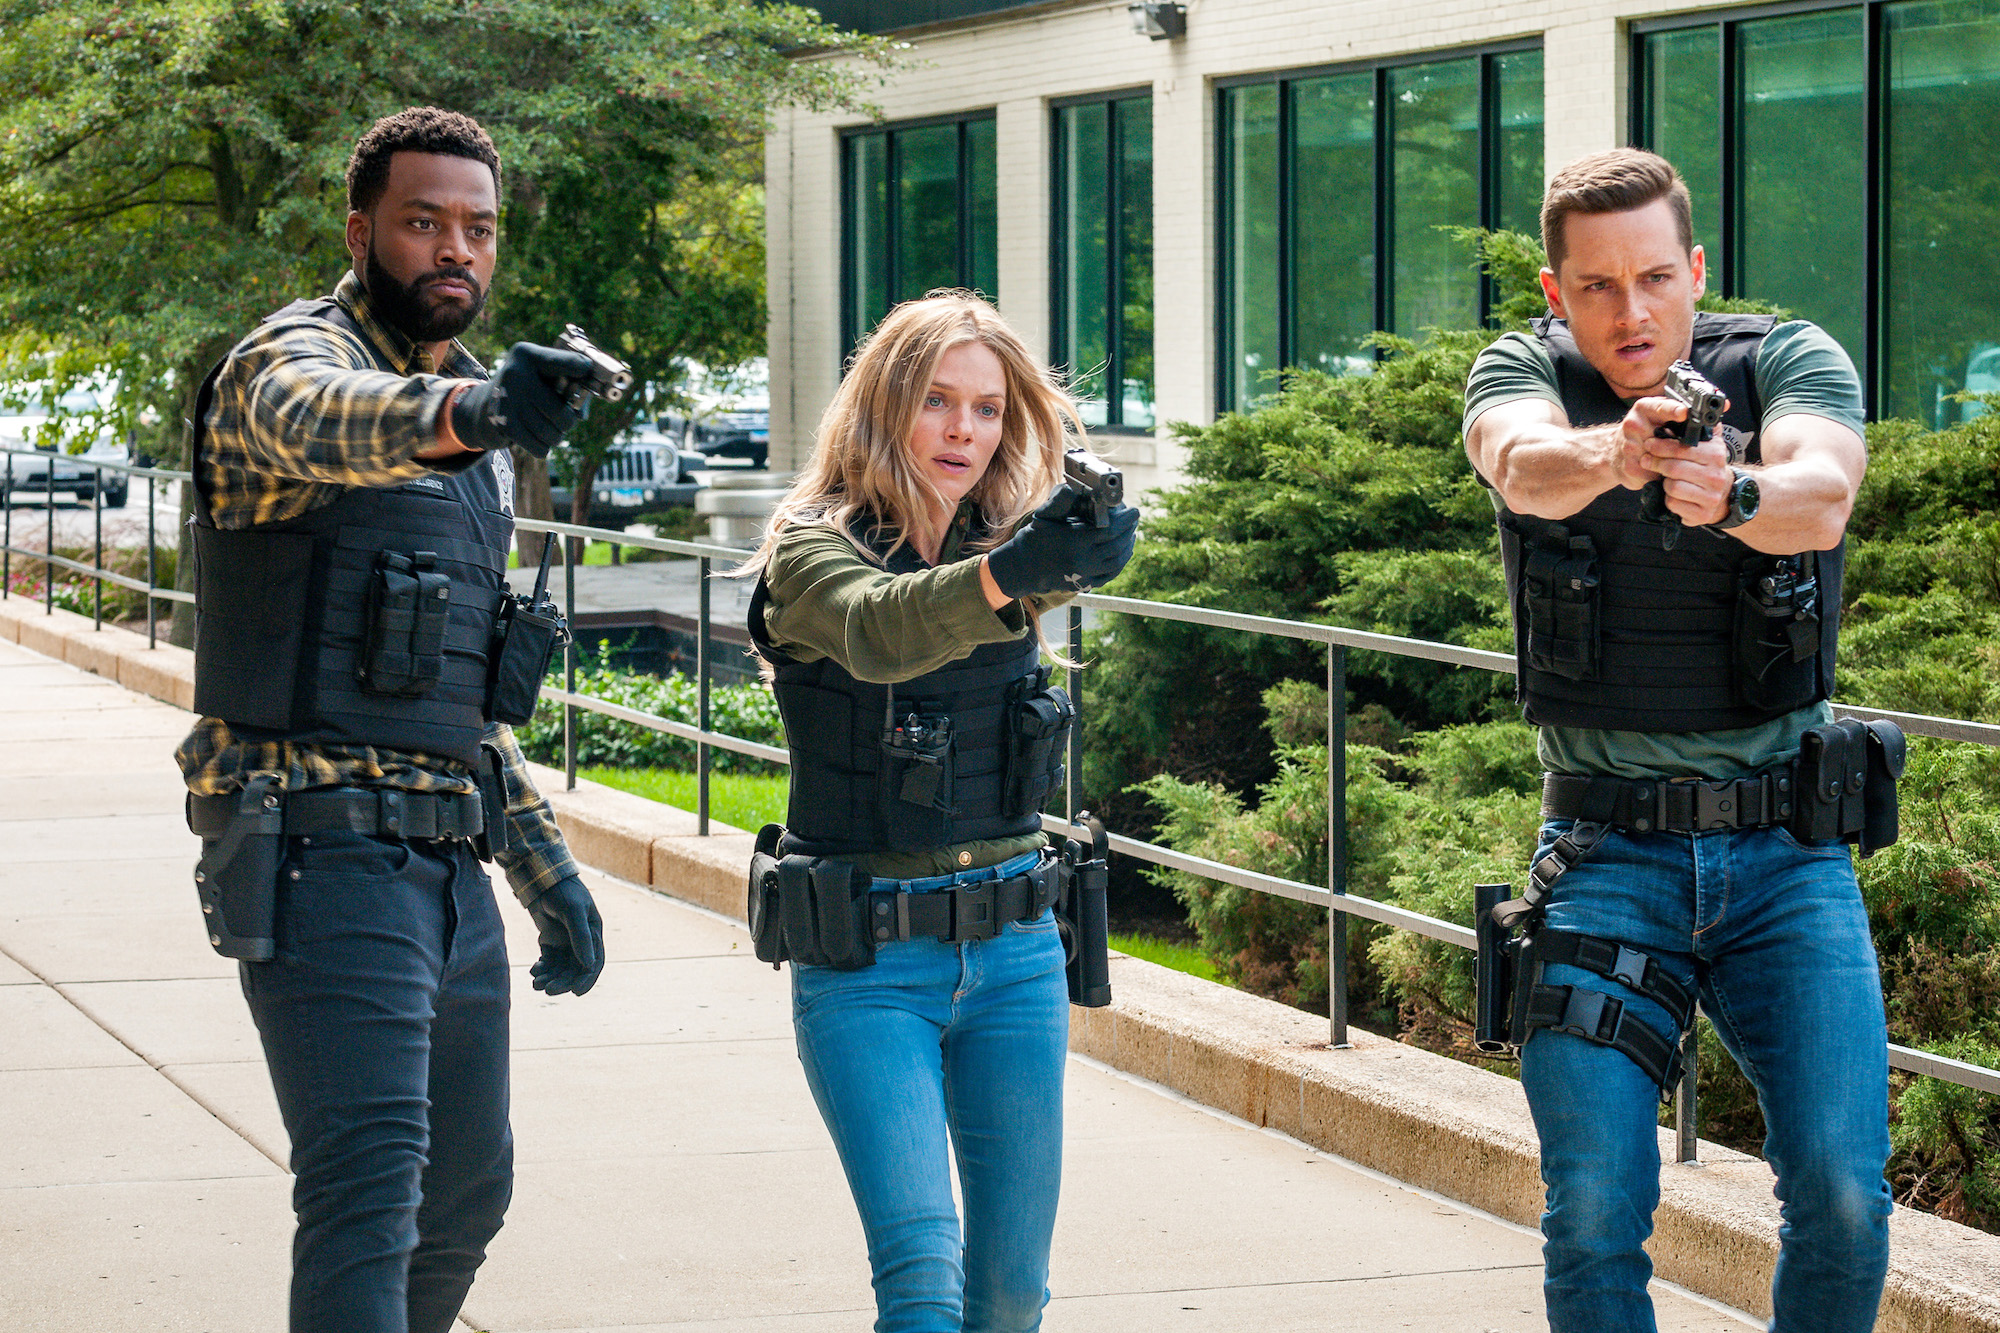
(1645, 805)
(382, 811)
(963, 911)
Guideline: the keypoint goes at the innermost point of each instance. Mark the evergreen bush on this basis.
(1350, 501)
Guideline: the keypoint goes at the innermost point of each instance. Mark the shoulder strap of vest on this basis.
(1736, 339)
(323, 308)
(1587, 399)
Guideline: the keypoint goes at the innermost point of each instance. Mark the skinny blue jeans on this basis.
(939, 1049)
(1773, 934)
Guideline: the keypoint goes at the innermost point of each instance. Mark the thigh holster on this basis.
(1593, 1015)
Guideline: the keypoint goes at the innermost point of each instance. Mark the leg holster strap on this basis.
(1595, 1016)
(1562, 857)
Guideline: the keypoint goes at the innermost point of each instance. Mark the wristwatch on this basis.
(1743, 498)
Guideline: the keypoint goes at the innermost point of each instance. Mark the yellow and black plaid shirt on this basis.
(302, 412)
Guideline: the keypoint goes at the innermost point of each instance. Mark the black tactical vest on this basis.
(1613, 630)
(854, 753)
(290, 643)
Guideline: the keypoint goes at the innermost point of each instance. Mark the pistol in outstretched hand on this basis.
(609, 378)
(1098, 487)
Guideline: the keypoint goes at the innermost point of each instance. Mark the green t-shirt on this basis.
(826, 599)
(1799, 368)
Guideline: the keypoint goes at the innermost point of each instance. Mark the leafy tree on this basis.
(172, 171)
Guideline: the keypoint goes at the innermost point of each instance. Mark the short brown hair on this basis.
(1617, 181)
(420, 129)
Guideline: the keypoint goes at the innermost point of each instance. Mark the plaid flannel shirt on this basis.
(303, 411)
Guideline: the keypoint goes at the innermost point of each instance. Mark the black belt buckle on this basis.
(972, 911)
(1590, 1014)
(1716, 805)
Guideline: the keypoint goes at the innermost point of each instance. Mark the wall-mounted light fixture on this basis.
(1160, 21)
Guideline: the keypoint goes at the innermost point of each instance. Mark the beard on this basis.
(407, 308)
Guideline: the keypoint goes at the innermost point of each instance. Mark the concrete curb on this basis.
(1412, 1115)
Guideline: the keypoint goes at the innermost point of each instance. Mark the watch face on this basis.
(1745, 497)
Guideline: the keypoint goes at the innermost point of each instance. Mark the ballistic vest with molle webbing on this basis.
(862, 781)
(367, 621)
(1614, 630)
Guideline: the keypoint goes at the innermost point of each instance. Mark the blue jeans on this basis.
(1773, 934)
(384, 1021)
(942, 1048)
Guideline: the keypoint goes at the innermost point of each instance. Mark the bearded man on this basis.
(353, 516)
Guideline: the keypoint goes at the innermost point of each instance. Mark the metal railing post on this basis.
(1336, 840)
(701, 758)
(152, 567)
(97, 519)
(570, 547)
(7, 534)
(49, 542)
(1073, 783)
(1687, 1109)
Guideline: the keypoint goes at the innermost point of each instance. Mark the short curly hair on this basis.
(420, 129)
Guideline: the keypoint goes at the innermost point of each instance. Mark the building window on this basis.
(1839, 149)
(921, 210)
(1101, 302)
(1334, 188)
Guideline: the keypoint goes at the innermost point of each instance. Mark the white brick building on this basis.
(1828, 146)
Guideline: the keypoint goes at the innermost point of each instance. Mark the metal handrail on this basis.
(1336, 639)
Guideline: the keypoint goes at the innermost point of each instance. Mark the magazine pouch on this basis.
(409, 601)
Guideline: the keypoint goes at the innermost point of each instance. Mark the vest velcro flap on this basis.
(249, 585)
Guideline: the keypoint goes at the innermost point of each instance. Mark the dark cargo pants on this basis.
(384, 1021)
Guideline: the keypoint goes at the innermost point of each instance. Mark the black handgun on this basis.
(1705, 404)
(608, 378)
(1098, 487)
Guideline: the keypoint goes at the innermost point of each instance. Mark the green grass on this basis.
(746, 800)
(1180, 957)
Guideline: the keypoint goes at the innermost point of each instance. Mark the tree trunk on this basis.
(531, 500)
(579, 499)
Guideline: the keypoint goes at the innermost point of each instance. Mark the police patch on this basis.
(503, 477)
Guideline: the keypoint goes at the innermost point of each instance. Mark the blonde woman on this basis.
(897, 589)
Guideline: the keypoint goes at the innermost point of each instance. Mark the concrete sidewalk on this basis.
(673, 1173)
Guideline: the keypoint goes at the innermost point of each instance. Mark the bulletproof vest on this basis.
(1614, 630)
(364, 622)
(857, 762)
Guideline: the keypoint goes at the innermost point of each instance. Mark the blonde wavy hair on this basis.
(861, 463)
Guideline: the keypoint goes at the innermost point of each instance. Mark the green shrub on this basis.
(747, 712)
(1350, 501)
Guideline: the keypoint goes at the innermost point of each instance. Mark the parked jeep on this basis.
(644, 473)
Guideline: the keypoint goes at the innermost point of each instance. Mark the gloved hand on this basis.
(1054, 553)
(523, 403)
(572, 936)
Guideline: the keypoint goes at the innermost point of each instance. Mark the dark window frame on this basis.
(1874, 160)
(1286, 81)
(892, 223)
(1060, 352)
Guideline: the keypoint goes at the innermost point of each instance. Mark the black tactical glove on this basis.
(1053, 552)
(525, 402)
(572, 935)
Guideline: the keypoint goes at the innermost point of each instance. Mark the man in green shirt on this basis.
(1673, 653)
